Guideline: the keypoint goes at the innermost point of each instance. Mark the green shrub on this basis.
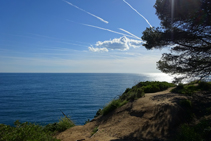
(99, 112)
(186, 103)
(65, 123)
(154, 86)
(206, 86)
(198, 132)
(132, 94)
(190, 88)
(180, 86)
(113, 105)
(188, 133)
(185, 89)
(94, 131)
(24, 132)
(87, 121)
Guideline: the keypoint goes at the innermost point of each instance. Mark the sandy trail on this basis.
(151, 117)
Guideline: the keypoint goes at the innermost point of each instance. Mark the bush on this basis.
(185, 89)
(190, 88)
(206, 86)
(186, 103)
(154, 86)
(94, 131)
(187, 133)
(198, 132)
(113, 105)
(99, 112)
(24, 132)
(63, 124)
(132, 94)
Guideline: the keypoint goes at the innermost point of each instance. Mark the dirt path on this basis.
(151, 117)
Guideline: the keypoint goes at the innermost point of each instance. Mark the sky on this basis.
(76, 36)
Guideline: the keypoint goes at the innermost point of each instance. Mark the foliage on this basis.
(185, 102)
(94, 131)
(63, 124)
(24, 132)
(132, 94)
(31, 132)
(99, 112)
(198, 132)
(190, 88)
(185, 28)
(154, 86)
(87, 121)
(113, 105)
(206, 86)
(185, 89)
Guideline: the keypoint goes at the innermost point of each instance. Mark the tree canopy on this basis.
(186, 29)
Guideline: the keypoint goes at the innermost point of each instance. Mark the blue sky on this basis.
(87, 36)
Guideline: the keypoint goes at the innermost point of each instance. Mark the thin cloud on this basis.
(130, 33)
(108, 30)
(122, 43)
(98, 49)
(137, 12)
(86, 12)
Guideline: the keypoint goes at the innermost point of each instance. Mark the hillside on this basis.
(153, 117)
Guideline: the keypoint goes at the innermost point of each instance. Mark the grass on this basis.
(32, 132)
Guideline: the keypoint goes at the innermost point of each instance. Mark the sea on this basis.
(42, 97)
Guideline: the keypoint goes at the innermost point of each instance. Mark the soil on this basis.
(153, 117)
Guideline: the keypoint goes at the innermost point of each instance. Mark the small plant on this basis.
(94, 131)
(86, 122)
(113, 105)
(63, 124)
(99, 112)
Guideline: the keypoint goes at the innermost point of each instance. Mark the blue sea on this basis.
(40, 97)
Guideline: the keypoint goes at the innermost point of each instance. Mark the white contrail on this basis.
(138, 13)
(86, 12)
(130, 33)
(108, 30)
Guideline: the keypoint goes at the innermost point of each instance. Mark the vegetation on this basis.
(185, 28)
(192, 88)
(63, 124)
(94, 131)
(134, 93)
(113, 105)
(32, 132)
(198, 132)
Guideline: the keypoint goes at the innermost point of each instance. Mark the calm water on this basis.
(40, 97)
